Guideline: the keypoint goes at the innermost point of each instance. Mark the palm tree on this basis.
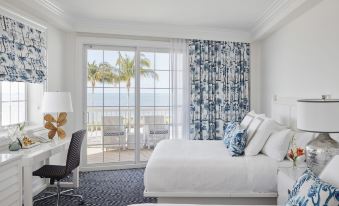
(127, 73)
(99, 73)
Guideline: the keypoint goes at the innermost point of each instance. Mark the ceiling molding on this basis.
(278, 14)
(44, 10)
(18, 17)
(51, 7)
(161, 30)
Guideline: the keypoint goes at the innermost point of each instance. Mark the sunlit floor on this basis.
(97, 155)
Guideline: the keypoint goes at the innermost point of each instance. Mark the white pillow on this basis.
(277, 144)
(257, 142)
(330, 174)
(248, 119)
(252, 128)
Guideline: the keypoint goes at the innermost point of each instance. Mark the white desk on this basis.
(38, 154)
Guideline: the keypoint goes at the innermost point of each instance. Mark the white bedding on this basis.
(184, 168)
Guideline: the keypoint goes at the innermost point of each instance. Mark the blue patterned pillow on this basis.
(228, 130)
(237, 141)
(310, 190)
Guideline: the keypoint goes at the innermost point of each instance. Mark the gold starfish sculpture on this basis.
(55, 125)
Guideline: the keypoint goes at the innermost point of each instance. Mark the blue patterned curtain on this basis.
(219, 86)
(22, 52)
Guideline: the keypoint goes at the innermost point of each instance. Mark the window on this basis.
(13, 103)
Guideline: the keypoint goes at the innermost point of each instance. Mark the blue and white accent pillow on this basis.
(237, 141)
(228, 132)
(310, 190)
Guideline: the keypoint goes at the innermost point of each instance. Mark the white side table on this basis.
(287, 176)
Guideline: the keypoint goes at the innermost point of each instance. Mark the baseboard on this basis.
(219, 200)
(111, 167)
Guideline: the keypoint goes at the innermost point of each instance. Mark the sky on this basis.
(159, 63)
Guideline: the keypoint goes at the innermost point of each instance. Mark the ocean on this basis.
(116, 99)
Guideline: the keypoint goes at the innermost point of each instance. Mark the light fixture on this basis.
(319, 116)
(59, 103)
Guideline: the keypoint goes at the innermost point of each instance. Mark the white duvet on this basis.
(184, 168)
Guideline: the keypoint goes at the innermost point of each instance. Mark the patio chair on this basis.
(155, 130)
(114, 132)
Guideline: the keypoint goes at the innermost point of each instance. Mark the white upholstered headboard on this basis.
(284, 110)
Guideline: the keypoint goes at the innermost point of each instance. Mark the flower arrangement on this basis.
(294, 154)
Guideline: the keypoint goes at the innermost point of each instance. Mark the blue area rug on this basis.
(113, 187)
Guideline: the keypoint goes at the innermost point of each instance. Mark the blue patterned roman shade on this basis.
(219, 86)
(22, 52)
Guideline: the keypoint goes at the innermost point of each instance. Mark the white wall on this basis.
(56, 59)
(302, 58)
(255, 78)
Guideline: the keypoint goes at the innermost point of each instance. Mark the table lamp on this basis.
(59, 103)
(319, 116)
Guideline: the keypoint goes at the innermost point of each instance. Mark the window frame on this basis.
(10, 101)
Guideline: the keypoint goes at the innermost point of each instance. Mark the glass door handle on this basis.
(84, 117)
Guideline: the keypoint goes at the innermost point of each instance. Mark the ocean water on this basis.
(116, 99)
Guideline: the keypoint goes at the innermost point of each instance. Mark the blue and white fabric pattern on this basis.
(219, 77)
(237, 141)
(22, 52)
(310, 190)
(228, 132)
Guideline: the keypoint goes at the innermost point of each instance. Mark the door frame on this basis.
(82, 44)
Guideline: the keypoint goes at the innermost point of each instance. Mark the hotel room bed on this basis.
(184, 168)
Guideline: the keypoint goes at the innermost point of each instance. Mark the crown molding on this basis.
(45, 10)
(278, 14)
(18, 17)
(51, 7)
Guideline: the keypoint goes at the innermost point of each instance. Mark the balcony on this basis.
(111, 133)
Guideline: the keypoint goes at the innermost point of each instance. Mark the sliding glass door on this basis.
(128, 103)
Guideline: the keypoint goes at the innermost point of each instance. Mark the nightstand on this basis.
(287, 176)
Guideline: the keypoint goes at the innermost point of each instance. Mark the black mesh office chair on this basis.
(58, 172)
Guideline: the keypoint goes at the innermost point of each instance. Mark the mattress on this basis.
(185, 168)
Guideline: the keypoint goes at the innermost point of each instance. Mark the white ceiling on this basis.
(231, 20)
(226, 14)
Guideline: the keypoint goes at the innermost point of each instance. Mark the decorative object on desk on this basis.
(27, 143)
(14, 133)
(14, 146)
(60, 103)
(319, 116)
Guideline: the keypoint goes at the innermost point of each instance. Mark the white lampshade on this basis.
(53, 102)
(316, 115)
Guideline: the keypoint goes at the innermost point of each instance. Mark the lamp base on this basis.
(320, 151)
